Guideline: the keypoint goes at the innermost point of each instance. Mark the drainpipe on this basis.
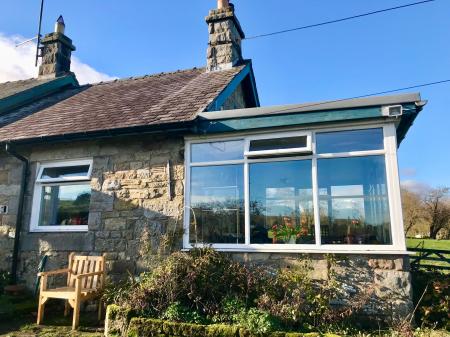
(23, 187)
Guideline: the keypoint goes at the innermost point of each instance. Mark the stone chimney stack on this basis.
(56, 52)
(225, 36)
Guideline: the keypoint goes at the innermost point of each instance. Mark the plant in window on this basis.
(289, 232)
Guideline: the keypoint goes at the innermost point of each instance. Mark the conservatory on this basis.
(328, 187)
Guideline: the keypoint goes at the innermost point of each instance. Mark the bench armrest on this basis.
(53, 272)
(99, 273)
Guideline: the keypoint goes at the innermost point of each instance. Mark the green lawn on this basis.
(18, 317)
(429, 243)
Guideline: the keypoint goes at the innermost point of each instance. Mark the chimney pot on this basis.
(56, 52)
(60, 26)
(223, 4)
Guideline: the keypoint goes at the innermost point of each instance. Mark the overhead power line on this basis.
(366, 95)
(338, 20)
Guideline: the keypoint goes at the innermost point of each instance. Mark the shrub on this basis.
(203, 285)
(177, 312)
(433, 307)
(119, 293)
(198, 280)
(4, 280)
(257, 321)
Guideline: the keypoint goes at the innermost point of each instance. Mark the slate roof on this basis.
(11, 88)
(148, 100)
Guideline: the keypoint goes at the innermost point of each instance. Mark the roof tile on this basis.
(140, 101)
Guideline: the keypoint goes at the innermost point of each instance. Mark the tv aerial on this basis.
(38, 37)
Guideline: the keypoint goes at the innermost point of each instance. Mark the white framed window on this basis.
(278, 144)
(62, 194)
(330, 189)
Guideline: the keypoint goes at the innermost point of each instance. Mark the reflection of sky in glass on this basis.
(71, 192)
(338, 191)
(282, 188)
(353, 200)
(346, 141)
(216, 184)
(217, 151)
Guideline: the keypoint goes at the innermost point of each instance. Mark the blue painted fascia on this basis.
(32, 94)
(218, 102)
(253, 84)
(306, 119)
(285, 120)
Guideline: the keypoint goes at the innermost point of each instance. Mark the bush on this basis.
(257, 321)
(203, 285)
(433, 308)
(177, 312)
(198, 280)
(5, 278)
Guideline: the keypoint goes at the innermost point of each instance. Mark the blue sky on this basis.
(377, 53)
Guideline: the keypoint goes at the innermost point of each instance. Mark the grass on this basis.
(18, 317)
(428, 243)
(431, 244)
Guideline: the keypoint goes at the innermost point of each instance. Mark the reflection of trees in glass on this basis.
(218, 222)
(262, 225)
(74, 212)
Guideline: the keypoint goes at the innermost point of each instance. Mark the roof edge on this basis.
(44, 89)
(314, 106)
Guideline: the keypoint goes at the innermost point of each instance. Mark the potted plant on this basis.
(287, 231)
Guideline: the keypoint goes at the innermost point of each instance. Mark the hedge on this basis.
(122, 323)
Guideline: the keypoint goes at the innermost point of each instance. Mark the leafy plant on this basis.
(256, 321)
(4, 280)
(433, 306)
(177, 312)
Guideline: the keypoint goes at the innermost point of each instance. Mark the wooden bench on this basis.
(85, 280)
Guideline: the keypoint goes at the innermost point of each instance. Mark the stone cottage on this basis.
(111, 167)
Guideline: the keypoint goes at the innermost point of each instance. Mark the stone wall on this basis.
(130, 205)
(385, 279)
(10, 177)
(225, 36)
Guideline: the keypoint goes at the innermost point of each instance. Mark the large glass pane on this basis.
(217, 151)
(65, 205)
(281, 203)
(346, 141)
(217, 205)
(65, 172)
(353, 199)
(278, 143)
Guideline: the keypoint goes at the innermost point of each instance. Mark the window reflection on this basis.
(353, 201)
(347, 141)
(217, 201)
(65, 172)
(65, 205)
(281, 204)
(217, 151)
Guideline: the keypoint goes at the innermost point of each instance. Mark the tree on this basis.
(413, 210)
(437, 209)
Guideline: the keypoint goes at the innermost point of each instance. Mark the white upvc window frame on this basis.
(278, 152)
(41, 182)
(389, 152)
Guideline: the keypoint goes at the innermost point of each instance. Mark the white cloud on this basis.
(408, 172)
(18, 63)
(415, 186)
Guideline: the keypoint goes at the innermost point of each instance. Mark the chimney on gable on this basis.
(56, 52)
(225, 36)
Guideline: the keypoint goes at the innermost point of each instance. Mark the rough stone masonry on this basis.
(225, 36)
